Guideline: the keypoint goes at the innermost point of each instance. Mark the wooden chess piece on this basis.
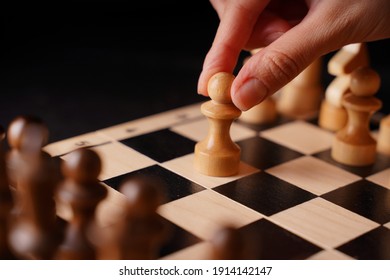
(262, 113)
(6, 204)
(36, 231)
(333, 115)
(217, 154)
(140, 233)
(227, 244)
(302, 96)
(383, 144)
(25, 135)
(353, 145)
(348, 59)
(81, 190)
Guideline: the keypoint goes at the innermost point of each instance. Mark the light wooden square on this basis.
(313, 175)
(74, 143)
(184, 166)
(387, 225)
(323, 223)
(209, 211)
(197, 130)
(381, 178)
(300, 136)
(118, 159)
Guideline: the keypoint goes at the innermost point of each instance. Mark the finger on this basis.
(235, 28)
(277, 64)
(267, 29)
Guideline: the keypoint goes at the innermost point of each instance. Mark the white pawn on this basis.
(262, 113)
(332, 115)
(217, 155)
(353, 144)
(384, 136)
(302, 96)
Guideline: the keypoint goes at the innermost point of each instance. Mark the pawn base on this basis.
(215, 164)
(331, 117)
(354, 155)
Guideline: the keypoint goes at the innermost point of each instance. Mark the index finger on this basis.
(237, 22)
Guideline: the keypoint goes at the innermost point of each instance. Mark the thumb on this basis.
(275, 65)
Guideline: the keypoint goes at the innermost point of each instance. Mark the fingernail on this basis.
(200, 86)
(251, 93)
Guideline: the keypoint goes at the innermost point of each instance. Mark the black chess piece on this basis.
(82, 191)
(141, 231)
(6, 204)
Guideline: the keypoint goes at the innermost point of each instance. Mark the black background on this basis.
(86, 65)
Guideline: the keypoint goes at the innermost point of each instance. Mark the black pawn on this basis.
(228, 244)
(36, 231)
(25, 135)
(82, 191)
(6, 204)
(141, 232)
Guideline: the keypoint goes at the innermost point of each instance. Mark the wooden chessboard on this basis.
(289, 195)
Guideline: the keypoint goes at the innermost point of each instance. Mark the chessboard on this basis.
(290, 198)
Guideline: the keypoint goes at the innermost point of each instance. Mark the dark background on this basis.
(86, 65)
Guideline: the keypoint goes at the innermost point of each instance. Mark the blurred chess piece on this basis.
(26, 135)
(34, 229)
(83, 191)
(262, 113)
(141, 232)
(6, 204)
(301, 97)
(353, 144)
(333, 115)
(383, 145)
(227, 244)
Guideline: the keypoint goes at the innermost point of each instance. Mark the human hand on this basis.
(292, 34)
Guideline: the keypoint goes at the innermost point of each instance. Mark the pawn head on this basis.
(144, 195)
(365, 81)
(82, 166)
(219, 87)
(27, 133)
